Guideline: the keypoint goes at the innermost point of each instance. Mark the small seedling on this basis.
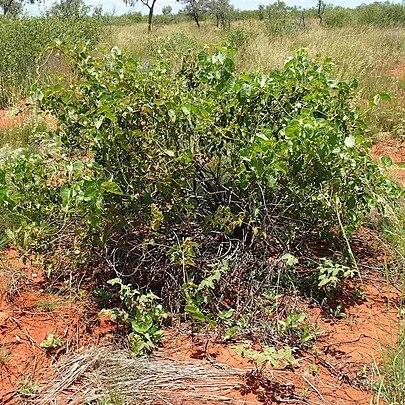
(4, 354)
(48, 306)
(142, 313)
(28, 387)
(338, 312)
(362, 373)
(331, 275)
(296, 327)
(51, 342)
(313, 369)
(269, 356)
(359, 294)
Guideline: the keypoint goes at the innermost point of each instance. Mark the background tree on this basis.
(301, 21)
(222, 10)
(195, 9)
(167, 10)
(261, 11)
(11, 8)
(97, 11)
(150, 4)
(69, 8)
(321, 10)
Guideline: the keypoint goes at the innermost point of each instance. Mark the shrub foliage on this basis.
(167, 173)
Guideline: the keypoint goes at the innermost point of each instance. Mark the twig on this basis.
(314, 388)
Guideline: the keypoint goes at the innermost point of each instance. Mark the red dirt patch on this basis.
(398, 71)
(26, 319)
(394, 149)
(332, 372)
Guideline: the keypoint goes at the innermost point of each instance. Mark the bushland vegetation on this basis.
(197, 162)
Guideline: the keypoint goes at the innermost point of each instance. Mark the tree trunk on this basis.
(196, 19)
(321, 10)
(150, 16)
(6, 7)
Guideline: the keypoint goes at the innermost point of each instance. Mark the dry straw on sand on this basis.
(100, 374)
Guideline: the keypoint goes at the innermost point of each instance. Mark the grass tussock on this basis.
(391, 372)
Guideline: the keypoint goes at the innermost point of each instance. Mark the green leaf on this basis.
(386, 161)
(350, 141)
(111, 187)
(195, 312)
(351, 202)
(98, 121)
(376, 100)
(3, 194)
(141, 326)
(172, 115)
(289, 259)
(226, 314)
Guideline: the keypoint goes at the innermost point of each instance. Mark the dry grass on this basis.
(102, 374)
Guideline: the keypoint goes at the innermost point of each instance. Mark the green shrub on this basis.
(237, 37)
(31, 200)
(338, 17)
(126, 19)
(376, 14)
(176, 44)
(164, 168)
(381, 14)
(23, 40)
(281, 19)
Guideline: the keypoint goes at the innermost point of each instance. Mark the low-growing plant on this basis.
(332, 275)
(297, 329)
(51, 342)
(143, 314)
(28, 387)
(198, 299)
(268, 356)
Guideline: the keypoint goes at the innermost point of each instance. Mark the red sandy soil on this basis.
(333, 372)
(330, 373)
(395, 149)
(28, 314)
